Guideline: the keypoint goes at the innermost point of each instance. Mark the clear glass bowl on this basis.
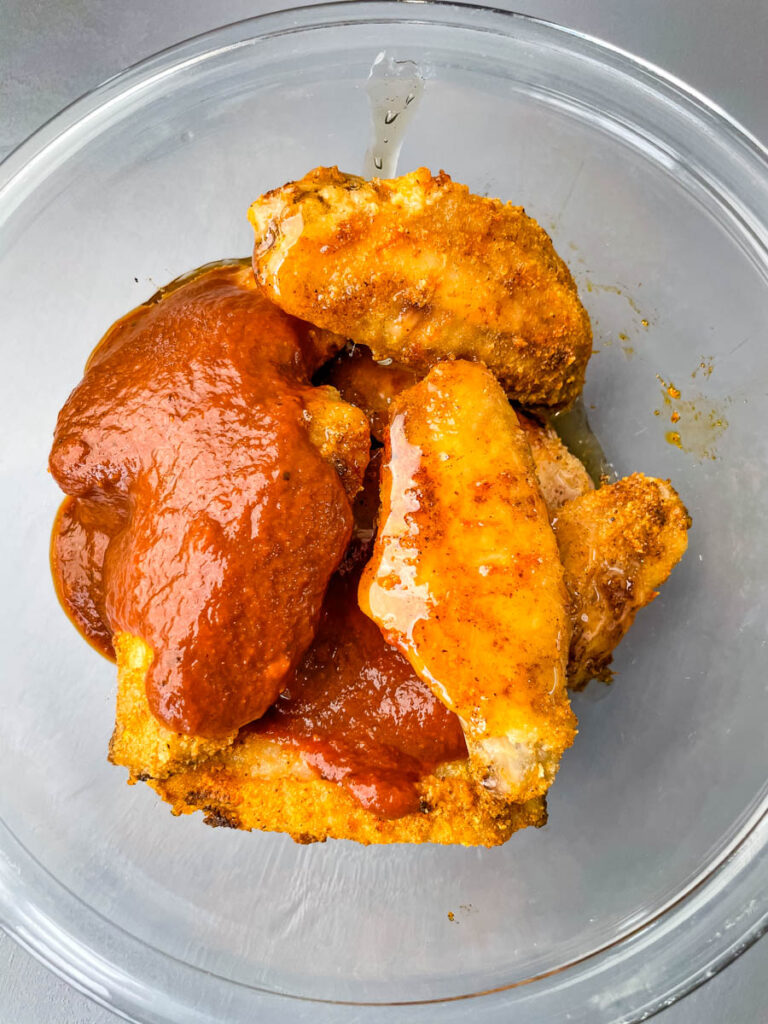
(651, 874)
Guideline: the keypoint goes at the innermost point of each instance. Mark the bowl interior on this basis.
(669, 763)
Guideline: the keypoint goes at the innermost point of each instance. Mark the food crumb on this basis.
(700, 420)
(705, 367)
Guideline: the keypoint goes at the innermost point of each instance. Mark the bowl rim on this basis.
(19, 171)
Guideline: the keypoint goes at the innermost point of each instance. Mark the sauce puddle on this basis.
(573, 429)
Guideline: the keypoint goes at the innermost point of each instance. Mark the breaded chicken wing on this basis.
(420, 269)
(466, 580)
(617, 544)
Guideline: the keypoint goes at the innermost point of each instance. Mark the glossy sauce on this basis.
(359, 713)
(78, 546)
(201, 517)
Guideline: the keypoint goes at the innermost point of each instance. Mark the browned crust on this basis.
(252, 782)
(420, 270)
(140, 742)
(638, 525)
(259, 785)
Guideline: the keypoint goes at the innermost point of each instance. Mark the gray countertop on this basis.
(51, 51)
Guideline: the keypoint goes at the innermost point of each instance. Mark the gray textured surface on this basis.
(51, 52)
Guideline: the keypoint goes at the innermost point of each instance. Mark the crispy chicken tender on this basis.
(465, 578)
(420, 269)
(618, 544)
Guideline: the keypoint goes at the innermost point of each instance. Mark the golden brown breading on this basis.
(339, 431)
(257, 784)
(618, 544)
(466, 580)
(420, 270)
(140, 742)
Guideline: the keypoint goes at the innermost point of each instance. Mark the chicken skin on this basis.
(465, 578)
(420, 270)
(560, 475)
(618, 544)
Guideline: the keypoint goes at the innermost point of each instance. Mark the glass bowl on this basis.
(650, 875)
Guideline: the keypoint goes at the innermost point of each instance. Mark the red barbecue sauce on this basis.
(205, 520)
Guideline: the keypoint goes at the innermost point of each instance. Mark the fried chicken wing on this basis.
(420, 269)
(206, 460)
(617, 544)
(466, 580)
